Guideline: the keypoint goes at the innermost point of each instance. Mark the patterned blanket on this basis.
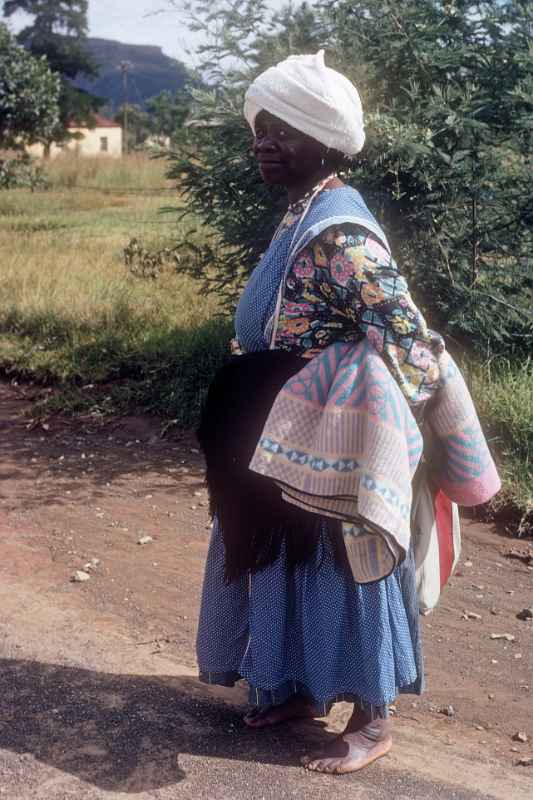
(341, 440)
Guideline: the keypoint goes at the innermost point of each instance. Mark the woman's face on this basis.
(285, 156)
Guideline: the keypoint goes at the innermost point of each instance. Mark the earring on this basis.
(323, 162)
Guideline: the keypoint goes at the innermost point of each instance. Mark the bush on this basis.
(29, 94)
(21, 173)
(503, 392)
(447, 90)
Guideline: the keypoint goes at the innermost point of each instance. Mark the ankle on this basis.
(365, 719)
(377, 730)
(360, 717)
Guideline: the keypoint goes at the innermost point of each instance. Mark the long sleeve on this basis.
(343, 286)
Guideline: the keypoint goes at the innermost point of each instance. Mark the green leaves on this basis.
(29, 94)
(56, 33)
(448, 97)
(168, 112)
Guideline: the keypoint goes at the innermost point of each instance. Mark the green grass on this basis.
(164, 372)
(72, 314)
(503, 393)
(132, 172)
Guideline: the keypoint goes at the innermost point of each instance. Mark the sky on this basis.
(139, 22)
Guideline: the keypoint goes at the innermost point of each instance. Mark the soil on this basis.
(98, 689)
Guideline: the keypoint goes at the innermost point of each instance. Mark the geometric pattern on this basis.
(340, 449)
(342, 410)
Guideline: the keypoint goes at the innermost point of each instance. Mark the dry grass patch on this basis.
(136, 171)
(69, 309)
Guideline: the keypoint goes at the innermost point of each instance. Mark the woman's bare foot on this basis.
(353, 749)
(296, 707)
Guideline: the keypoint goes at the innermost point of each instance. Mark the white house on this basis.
(105, 139)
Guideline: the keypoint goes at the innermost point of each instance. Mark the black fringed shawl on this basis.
(253, 517)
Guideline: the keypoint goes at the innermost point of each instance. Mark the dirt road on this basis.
(98, 695)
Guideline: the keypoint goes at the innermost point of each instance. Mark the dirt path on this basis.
(98, 694)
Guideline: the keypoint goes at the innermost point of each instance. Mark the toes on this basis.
(311, 763)
(333, 766)
(339, 767)
(324, 766)
(308, 758)
(352, 762)
(329, 766)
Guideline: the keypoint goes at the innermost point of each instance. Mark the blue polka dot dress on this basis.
(309, 629)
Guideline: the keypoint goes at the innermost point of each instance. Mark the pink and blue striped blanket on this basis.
(341, 440)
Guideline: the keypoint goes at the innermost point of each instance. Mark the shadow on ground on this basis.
(124, 732)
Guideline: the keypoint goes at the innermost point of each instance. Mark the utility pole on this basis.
(124, 67)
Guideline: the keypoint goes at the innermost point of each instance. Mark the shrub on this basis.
(448, 93)
(21, 173)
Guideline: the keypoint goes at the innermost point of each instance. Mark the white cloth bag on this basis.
(436, 533)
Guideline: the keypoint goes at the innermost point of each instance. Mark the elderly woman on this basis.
(304, 620)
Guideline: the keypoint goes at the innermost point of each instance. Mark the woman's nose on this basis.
(265, 144)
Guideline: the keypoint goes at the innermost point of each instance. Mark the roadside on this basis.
(99, 697)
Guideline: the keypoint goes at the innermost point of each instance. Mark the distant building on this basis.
(105, 139)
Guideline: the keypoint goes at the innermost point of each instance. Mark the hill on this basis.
(150, 72)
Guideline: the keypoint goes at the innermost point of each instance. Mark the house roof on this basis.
(100, 122)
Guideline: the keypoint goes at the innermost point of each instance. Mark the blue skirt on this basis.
(310, 630)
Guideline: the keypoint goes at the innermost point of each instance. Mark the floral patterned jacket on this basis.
(344, 286)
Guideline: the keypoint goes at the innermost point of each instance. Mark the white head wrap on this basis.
(312, 98)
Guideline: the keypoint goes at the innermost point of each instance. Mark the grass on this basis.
(72, 315)
(503, 392)
(133, 172)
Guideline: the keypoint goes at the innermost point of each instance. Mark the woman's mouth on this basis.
(272, 171)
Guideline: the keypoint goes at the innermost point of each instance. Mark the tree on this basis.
(448, 92)
(29, 93)
(57, 33)
(291, 30)
(168, 112)
(214, 166)
(227, 28)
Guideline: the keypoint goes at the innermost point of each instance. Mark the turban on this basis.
(312, 98)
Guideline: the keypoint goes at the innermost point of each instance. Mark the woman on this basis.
(299, 628)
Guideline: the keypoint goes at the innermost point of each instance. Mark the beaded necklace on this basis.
(298, 205)
(306, 201)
